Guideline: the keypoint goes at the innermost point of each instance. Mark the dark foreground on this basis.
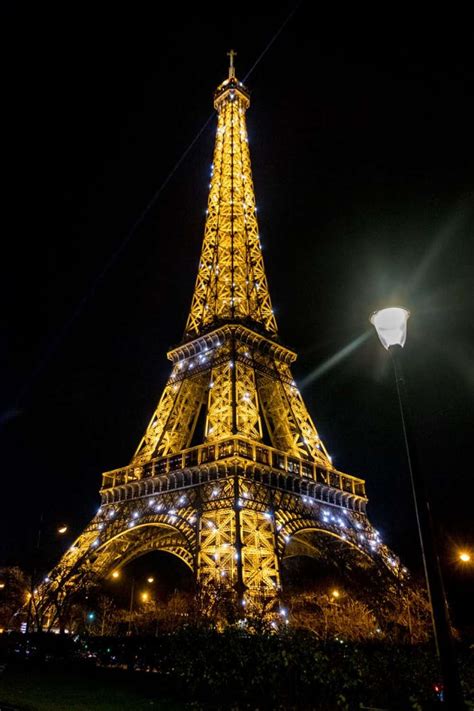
(196, 669)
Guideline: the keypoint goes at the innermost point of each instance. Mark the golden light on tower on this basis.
(231, 468)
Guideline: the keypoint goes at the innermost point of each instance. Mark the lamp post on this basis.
(60, 529)
(145, 596)
(130, 612)
(391, 327)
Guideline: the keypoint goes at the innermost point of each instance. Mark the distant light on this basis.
(391, 326)
(151, 580)
(62, 528)
(335, 593)
(464, 557)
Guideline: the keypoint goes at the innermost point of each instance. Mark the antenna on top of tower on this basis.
(231, 54)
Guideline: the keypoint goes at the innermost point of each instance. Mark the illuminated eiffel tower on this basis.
(259, 486)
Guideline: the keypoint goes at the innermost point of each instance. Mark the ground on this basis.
(58, 690)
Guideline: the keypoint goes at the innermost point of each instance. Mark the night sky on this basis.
(361, 141)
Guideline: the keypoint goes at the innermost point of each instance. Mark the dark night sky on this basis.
(362, 148)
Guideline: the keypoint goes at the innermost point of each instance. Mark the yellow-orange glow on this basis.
(465, 557)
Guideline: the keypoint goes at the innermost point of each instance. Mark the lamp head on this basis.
(391, 325)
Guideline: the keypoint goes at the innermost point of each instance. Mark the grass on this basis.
(54, 689)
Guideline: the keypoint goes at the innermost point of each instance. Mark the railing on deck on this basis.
(235, 447)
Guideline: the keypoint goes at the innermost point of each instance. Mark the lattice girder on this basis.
(172, 425)
(231, 283)
(241, 378)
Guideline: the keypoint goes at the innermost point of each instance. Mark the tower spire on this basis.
(231, 284)
(232, 53)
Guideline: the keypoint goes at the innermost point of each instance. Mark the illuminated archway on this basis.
(127, 545)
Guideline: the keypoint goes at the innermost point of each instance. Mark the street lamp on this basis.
(464, 557)
(145, 596)
(60, 529)
(391, 327)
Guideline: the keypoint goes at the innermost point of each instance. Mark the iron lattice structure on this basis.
(234, 506)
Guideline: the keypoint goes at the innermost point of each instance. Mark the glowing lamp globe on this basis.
(391, 326)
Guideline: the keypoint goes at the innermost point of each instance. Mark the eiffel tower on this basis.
(259, 486)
